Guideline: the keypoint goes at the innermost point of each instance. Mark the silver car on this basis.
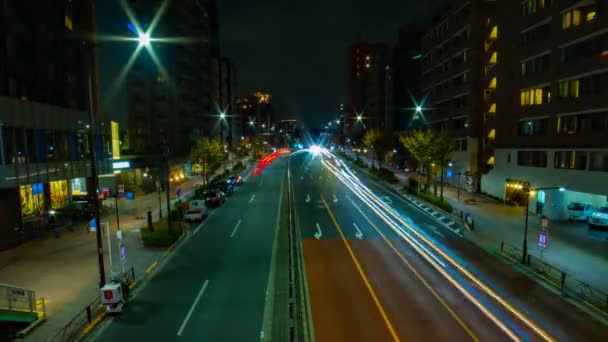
(599, 219)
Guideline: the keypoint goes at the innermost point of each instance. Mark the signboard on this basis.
(93, 225)
(123, 252)
(119, 234)
(543, 238)
(105, 192)
(130, 195)
(121, 190)
(121, 165)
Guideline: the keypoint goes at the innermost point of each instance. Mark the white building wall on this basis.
(582, 185)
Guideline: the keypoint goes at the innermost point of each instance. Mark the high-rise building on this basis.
(406, 79)
(44, 118)
(550, 106)
(456, 74)
(230, 128)
(256, 112)
(172, 104)
(370, 88)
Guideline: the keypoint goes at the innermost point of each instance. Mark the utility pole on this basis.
(93, 197)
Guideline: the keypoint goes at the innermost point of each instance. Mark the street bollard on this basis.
(150, 228)
(563, 280)
(89, 318)
(502, 246)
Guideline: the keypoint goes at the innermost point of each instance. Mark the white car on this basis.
(578, 211)
(195, 215)
(599, 218)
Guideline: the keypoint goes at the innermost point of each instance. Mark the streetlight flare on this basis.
(144, 39)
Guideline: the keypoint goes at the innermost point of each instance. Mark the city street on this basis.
(360, 269)
(213, 287)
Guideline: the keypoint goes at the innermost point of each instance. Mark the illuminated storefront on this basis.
(59, 194)
(32, 199)
(79, 186)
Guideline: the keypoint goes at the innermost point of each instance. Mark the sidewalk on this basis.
(572, 248)
(64, 270)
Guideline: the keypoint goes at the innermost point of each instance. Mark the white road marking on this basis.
(252, 197)
(198, 297)
(436, 231)
(335, 198)
(319, 233)
(307, 198)
(235, 228)
(359, 234)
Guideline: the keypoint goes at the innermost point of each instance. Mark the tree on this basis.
(429, 149)
(420, 147)
(379, 142)
(209, 153)
(242, 149)
(443, 146)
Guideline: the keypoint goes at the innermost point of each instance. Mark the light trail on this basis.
(367, 196)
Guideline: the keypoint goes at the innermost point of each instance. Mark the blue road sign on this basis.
(129, 195)
(93, 225)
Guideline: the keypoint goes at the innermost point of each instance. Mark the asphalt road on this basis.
(368, 283)
(213, 287)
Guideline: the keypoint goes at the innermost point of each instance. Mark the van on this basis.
(578, 211)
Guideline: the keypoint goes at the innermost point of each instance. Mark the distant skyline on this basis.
(296, 51)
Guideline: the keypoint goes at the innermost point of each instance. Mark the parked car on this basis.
(599, 218)
(214, 198)
(578, 211)
(195, 215)
(224, 186)
(235, 180)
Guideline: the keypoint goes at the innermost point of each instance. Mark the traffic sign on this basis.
(93, 225)
(121, 190)
(123, 252)
(543, 238)
(129, 195)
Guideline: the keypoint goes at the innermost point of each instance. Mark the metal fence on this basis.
(72, 330)
(560, 279)
(17, 299)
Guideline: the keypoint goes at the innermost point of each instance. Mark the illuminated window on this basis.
(494, 58)
(68, 22)
(538, 98)
(492, 108)
(32, 199)
(492, 134)
(493, 83)
(571, 18)
(535, 96)
(491, 161)
(59, 194)
(591, 15)
(494, 33)
(569, 89)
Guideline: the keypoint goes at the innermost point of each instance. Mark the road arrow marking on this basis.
(335, 199)
(434, 229)
(307, 198)
(319, 233)
(359, 234)
(252, 197)
(235, 228)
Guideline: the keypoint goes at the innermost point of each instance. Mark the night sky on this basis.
(295, 50)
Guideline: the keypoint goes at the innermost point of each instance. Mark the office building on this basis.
(44, 119)
(458, 85)
(551, 109)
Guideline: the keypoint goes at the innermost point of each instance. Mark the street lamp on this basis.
(530, 191)
(222, 118)
(418, 109)
(144, 39)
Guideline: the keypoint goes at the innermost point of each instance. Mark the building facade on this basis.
(406, 80)
(455, 80)
(370, 88)
(169, 99)
(551, 109)
(44, 120)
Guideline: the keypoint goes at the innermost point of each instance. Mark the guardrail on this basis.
(299, 309)
(559, 279)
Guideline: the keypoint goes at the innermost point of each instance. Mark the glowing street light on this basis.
(251, 123)
(144, 39)
(359, 118)
(222, 115)
(418, 109)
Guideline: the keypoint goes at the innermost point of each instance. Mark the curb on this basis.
(89, 328)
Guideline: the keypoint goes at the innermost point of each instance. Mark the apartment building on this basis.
(458, 86)
(551, 109)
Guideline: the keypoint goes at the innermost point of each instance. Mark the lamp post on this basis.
(525, 244)
(222, 118)
(144, 40)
